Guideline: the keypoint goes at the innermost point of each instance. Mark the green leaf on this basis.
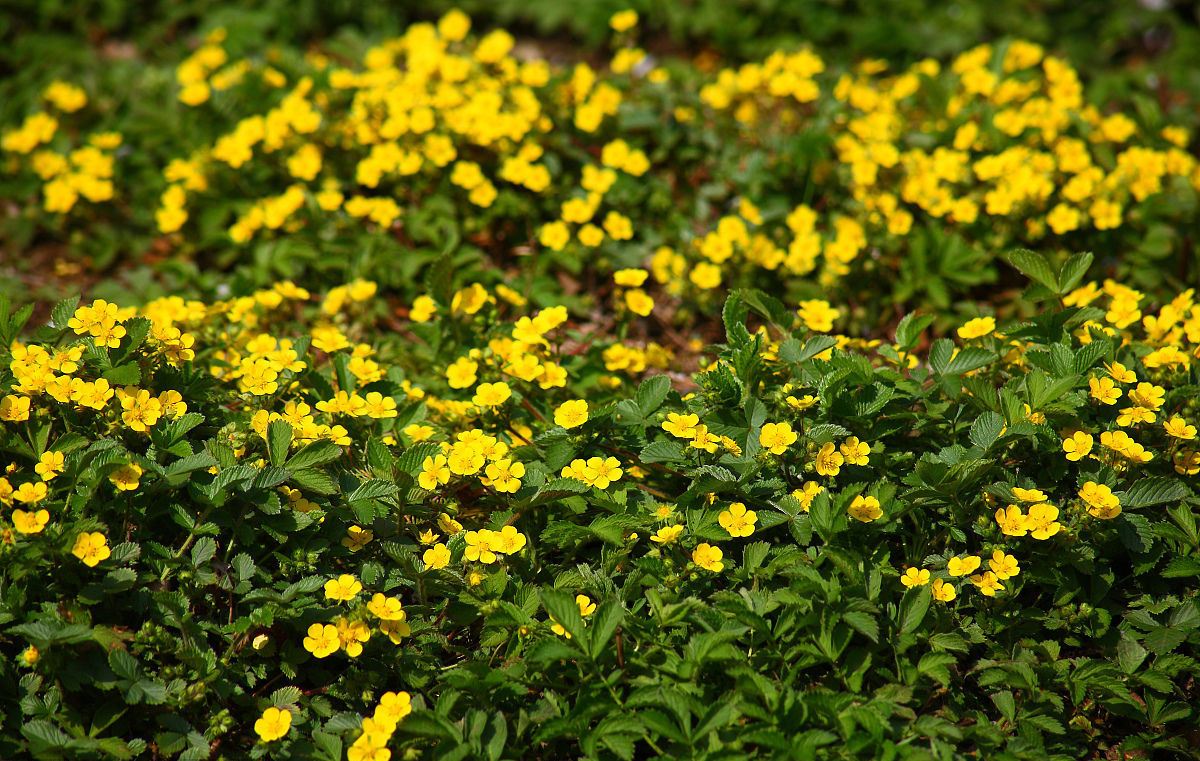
(939, 355)
(863, 623)
(936, 666)
(651, 393)
(986, 429)
(603, 625)
(314, 480)
(662, 450)
(1034, 266)
(733, 314)
(373, 489)
(909, 329)
(563, 609)
(1130, 654)
(124, 375)
(968, 359)
(816, 345)
(279, 439)
(203, 550)
(314, 454)
(1072, 272)
(913, 608)
(1147, 492)
(269, 477)
(63, 312)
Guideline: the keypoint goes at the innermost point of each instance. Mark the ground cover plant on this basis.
(373, 160)
(441, 394)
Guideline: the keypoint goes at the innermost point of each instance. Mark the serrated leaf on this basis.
(314, 454)
(1034, 266)
(986, 429)
(1072, 272)
(279, 440)
(651, 393)
(1147, 492)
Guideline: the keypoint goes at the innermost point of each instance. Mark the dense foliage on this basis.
(432, 398)
(824, 543)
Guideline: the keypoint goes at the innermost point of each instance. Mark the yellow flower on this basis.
(1011, 521)
(436, 557)
(1029, 495)
(126, 478)
(462, 373)
(30, 522)
(681, 426)
(1147, 395)
(914, 577)
(1077, 446)
(818, 315)
(479, 547)
(393, 706)
(322, 640)
(708, 557)
(964, 566)
(1120, 373)
(14, 409)
(737, 520)
(777, 437)
(807, 492)
(1004, 566)
(855, 452)
(273, 724)
(829, 460)
(386, 608)
(1134, 415)
(601, 472)
(988, 583)
(1104, 390)
(639, 302)
(705, 276)
(356, 538)
(464, 460)
(623, 21)
(667, 534)
(508, 540)
(1042, 521)
(448, 524)
(434, 471)
(351, 635)
(865, 509)
(91, 548)
(344, 588)
(943, 592)
(30, 492)
(491, 394)
(977, 328)
(505, 475)
(571, 414)
(627, 278)
(1101, 502)
(1178, 428)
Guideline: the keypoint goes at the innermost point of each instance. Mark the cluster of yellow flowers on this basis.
(417, 104)
(379, 727)
(85, 171)
(1001, 567)
(1014, 146)
(348, 633)
(1015, 142)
